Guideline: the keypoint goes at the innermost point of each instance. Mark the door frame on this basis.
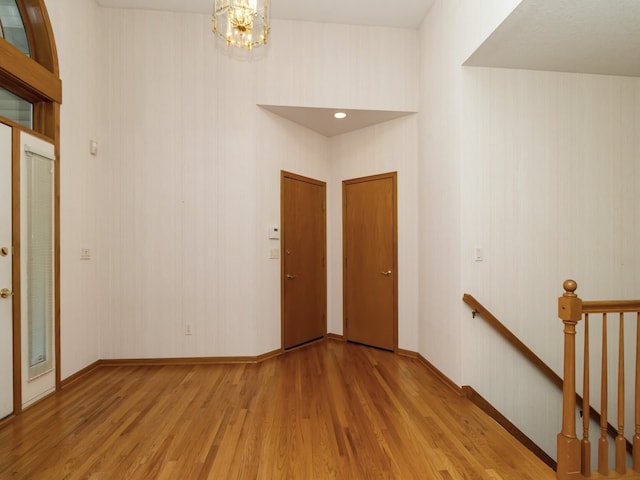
(17, 271)
(394, 178)
(16, 247)
(294, 176)
(37, 79)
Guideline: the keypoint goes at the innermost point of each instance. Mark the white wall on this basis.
(180, 145)
(176, 205)
(547, 201)
(539, 169)
(346, 66)
(76, 28)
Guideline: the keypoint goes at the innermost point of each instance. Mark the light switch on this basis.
(275, 253)
(478, 254)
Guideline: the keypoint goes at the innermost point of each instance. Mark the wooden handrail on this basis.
(479, 309)
(542, 367)
(611, 306)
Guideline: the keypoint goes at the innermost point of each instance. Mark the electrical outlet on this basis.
(188, 329)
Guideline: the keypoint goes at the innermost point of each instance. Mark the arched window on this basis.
(29, 64)
(12, 27)
(12, 30)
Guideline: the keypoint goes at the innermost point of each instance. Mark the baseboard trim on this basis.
(143, 362)
(446, 380)
(504, 422)
(268, 355)
(335, 336)
(79, 374)
(407, 353)
(176, 361)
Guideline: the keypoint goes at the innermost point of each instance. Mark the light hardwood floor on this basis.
(328, 410)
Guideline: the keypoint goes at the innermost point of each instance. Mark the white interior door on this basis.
(6, 287)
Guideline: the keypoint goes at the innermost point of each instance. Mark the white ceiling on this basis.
(322, 120)
(582, 36)
(403, 13)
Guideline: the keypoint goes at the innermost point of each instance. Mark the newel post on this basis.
(570, 312)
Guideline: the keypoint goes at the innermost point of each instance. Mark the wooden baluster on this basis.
(570, 312)
(636, 437)
(586, 417)
(603, 443)
(621, 443)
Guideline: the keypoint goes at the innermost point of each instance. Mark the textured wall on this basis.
(326, 65)
(76, 28)
(176, 206)
(538, 169)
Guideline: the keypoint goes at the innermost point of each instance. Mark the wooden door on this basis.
(304, 278)
(370, 260)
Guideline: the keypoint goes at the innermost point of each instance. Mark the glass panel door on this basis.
(37, 256)
(39, 294)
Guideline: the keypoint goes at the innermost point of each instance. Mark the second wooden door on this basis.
(370, 258)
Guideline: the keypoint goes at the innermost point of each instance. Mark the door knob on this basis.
(4, 251)
(5, 293)
(386, 274)
(291, 277)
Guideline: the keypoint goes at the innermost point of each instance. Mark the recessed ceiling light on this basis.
(340, 115)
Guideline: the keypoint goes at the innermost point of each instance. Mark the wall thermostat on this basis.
(274, 232)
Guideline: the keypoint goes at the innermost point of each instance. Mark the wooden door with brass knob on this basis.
(304, 277)
(370, 273)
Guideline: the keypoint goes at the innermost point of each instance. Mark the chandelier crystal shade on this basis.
(242, 23)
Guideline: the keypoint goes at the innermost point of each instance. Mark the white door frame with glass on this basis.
(37, 268)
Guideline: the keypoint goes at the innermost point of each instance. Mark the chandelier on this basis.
(242, 23)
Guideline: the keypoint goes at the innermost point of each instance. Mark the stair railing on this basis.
(574, 455)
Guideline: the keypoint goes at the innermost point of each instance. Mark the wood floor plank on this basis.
(331, 410)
